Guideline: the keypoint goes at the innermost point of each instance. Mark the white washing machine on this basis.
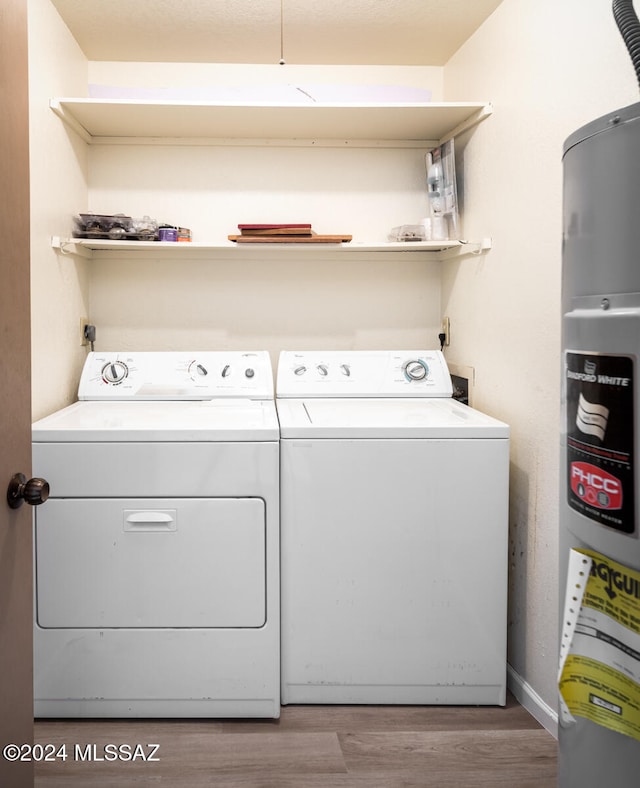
(157, 553)
(393, 533)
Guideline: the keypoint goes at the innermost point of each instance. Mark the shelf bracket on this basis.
(70, 121)
(475, 248)
(469, 123)
(69, 248)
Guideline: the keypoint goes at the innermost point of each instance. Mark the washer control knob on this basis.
(346, 369)
(249, 373)
(416, 370)
(300, 370)
(114, 372)
(226, 371)
(322, 370)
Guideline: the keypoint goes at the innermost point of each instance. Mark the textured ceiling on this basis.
(322, 32)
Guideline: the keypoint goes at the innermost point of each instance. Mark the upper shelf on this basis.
(113, 120)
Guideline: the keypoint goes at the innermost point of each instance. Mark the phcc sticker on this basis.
(595, 486)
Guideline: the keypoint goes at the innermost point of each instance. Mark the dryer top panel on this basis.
(203, 421)
(176, 375)
(363, 373)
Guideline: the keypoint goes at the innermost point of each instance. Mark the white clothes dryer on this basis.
(393, 533)
(157, 555)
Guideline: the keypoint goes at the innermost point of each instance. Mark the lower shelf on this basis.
(101, 249)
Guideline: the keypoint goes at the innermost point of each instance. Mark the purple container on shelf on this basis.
(168, 234)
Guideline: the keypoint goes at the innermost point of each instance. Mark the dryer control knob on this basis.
(300, 370)
(322, 369)
(416, 370)
(249, 373)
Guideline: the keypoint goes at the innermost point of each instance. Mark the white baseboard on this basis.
(529, 699)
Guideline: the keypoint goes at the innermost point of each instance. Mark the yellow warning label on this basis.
(601, 694)
(600, 671)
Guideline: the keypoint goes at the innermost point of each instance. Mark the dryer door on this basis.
(151, 563)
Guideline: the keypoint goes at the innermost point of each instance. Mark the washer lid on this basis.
(203, 421)
(385, 418)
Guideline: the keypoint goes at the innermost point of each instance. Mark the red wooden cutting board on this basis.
(290, 239)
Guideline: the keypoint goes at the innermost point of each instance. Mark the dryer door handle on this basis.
(150, 520)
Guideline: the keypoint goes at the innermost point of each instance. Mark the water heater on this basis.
(599, 672)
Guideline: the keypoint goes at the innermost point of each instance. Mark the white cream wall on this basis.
(267, 81)
(298, 300)
(548, 68)
(59, 285)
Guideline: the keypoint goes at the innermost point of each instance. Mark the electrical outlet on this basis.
(446, 330)
(84, 321)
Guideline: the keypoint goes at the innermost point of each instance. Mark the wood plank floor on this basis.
(311, 747)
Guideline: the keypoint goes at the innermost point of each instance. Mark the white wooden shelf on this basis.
(120, 120)
(145, 250)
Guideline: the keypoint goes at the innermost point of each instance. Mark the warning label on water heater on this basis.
(599, 671)
(600, 430)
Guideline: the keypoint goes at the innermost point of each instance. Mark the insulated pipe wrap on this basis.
(629, 26)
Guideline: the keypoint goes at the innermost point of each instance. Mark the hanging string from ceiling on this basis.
(282, 60)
